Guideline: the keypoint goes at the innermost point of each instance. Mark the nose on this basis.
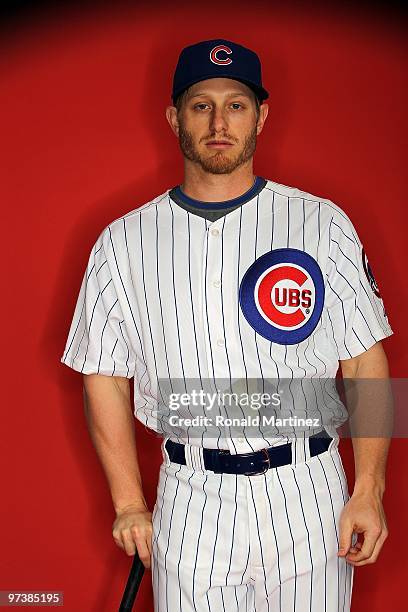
(218, 121)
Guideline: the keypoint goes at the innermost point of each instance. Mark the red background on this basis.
(85, 140)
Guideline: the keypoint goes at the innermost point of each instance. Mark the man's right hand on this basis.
(132, 529)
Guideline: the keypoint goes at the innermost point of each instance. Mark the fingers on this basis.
(357, 546)
(371, 536)
(133, 533)
(370, 549)
(363, 514)
(143, 552)
(130, 541)
(346, 533)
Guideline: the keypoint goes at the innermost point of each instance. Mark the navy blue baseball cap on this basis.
(209, 59)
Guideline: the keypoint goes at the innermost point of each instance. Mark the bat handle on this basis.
(132, 584)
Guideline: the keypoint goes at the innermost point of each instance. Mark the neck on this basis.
(208, 187)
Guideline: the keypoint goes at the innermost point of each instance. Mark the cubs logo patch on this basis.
(216, 55)
(369, 274)
(282, 295)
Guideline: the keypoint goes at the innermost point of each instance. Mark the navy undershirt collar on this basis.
(178, 195)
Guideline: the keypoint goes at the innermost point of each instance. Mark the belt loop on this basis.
(300, 448)
(199, 457)
(194, 457)
(307, 448)
(295, 450)
(334, 444)
(165, 454)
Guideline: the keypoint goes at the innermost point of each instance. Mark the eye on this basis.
(237, 104)
(200, 105)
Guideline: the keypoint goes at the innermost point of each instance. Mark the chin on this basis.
(221, 168)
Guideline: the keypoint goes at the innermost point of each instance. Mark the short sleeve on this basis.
(355, 309)
(98, 342)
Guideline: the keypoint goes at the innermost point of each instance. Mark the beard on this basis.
(219, 162)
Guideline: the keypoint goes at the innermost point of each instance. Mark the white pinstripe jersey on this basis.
(279, 287)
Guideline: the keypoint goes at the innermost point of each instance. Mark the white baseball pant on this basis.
(260, 543)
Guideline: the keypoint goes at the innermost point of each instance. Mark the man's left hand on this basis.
(362, 514)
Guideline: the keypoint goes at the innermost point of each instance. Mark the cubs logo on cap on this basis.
(282, 295)
(217, 53)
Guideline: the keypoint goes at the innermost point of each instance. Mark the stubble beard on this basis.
(220, 162)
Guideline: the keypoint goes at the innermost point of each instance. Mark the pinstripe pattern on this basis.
(264, 542)
(159, 302)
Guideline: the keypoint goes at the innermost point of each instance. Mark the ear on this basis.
(263, 113)
(171, 116)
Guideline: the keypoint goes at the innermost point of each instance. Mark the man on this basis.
(228, 282)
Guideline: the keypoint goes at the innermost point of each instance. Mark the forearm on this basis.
(371, 426)
(110, 422)
(369, 402)
(370, 458)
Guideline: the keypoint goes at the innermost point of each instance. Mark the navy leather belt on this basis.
(258, 462)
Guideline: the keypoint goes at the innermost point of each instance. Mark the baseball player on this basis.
(231, 282)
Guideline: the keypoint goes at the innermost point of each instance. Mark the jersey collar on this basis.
(180, 197)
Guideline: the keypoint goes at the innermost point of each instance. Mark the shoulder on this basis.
(331, 213)
(117, 226)
(133, 214)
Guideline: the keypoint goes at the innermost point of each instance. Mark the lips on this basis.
(218, 144)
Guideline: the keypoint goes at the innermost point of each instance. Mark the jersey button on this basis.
(240, 440)
(215, 232)
(220, 342)
(217, 283)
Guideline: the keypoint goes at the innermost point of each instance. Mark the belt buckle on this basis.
(268, 461)
(215, 468)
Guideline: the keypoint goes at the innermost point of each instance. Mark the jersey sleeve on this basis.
(98, 342)
(355, 309)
